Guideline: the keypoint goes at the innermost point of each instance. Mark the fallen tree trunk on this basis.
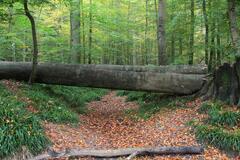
(121, 152)
(182, 80)
(223, 84)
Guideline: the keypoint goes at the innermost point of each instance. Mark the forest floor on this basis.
(107, 126)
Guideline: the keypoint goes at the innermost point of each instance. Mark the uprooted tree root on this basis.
(223, 84)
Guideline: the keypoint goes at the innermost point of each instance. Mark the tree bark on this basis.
(219, 50)
(146, 35)
(75, 31)
(182, 80)
(180, 45)
(191, 49)
(90, 34)
(234, 28)
(162, 57)
(32, 76)
(121, 152)
(211, 63)
(205, 15)
(83, 32)
(224, 84)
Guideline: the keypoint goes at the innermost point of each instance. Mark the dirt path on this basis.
(107, 127)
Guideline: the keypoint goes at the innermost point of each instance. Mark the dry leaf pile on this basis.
(107, 127)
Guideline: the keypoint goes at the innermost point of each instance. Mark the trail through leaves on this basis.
(107, 127)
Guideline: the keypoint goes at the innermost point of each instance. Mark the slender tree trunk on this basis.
(25, 48)
(211, 64)
(233, 27)
(129, 35)
(157, 33)
(162, 57)
(10, 24)
(90, 34)
(219, 51)
(206, 31)
(35, 43)
(173, 48)
(180, 45)
(146, 34)
(83, 32)
(75, 31)
(191, 49)
(173, 36)
(212, 48)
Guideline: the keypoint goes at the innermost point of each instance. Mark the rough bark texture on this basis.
(35, 43)
(90, 33)
(205, 15)
(122, 152)
(181, 80)
(191, 48)
(162, 57)
(75, 31)
(224, 85)
(234, 27)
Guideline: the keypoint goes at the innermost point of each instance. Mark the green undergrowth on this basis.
(61, 104)
(18, 127)
(221, 127)
(151, 103)
(48, 107)
(228, 140)
(77, 97)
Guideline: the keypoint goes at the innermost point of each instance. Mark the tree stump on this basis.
(224, 85)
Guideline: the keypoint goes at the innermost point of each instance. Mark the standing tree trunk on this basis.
(234, 28)
(83, 34)
(173, 48)
(162, 57)
(75, 31)
(10, 24)
(212, 49)
(206, 31)
(191, 49)
(146, 35)
(173, 36)
(90, 34)
(35, 43)
(180, 45)
(211, 64)
(219, 51)
(235, 39)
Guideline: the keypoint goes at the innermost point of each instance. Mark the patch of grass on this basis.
(18, 127)
(216, 136)
(49, 108)
(151, 103)
(209, 105)
(220, 127)
(77, 97)
(221, 118)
